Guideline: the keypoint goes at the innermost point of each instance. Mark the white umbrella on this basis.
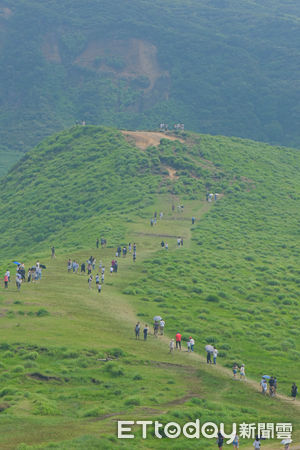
(156, 318)
(286, 441)
(209, 348)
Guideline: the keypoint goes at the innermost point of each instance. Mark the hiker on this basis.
(215, 354)
(90, 281)
(82, 268)
(264, 386)
(155, 214)
(162, 327)
(111, 269)
(6, 281)
(193, 220)
(129, 247)
(151, 222)
(161, 214)
(256, 443)
(53, 252)
(235, 441)
(103, 270)
(172, 345)
(116, 266)
(178, 340)
(220, 441)
(29, 276)
(294, 391)
(181, 242)
(192, 343)
(93, 263)
(102, 278)
(166, 246)
(69, 265)
(100, 265)
(216, 197)
(97, 278)
(134, 247)
(134, 256)
(119, 251)
(145, 331)
(234, 370)
(162, 244)
(137, 330)
(97, 243)
(124, 251)
(242, 372)
(271, 387)
(208, 357)
(99, 288)
(188, 346)
(155, 328)
(207, 195)
(178, 242)
(18, 281)
(173, 207)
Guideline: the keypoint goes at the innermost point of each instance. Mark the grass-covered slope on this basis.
(234, 283)
(221, 67)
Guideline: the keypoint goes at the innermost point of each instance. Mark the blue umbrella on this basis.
(16, 262)
(266, 376)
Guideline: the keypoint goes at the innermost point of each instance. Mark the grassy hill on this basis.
(221, 67)
(234, 283)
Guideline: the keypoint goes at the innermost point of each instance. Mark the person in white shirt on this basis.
(215, 354)
(189, 345)
(256, 443)
(242, 372)
(192, 342)
(162, 326)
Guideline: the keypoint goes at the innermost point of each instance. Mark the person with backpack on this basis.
(256, 443)
(6, 281)
(90, 281)
(271, 386)
(220, 441)
(294, 391)
(137, 330)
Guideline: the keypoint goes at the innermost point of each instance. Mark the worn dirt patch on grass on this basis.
(144, 139)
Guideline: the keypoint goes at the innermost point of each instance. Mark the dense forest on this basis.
(220, 66)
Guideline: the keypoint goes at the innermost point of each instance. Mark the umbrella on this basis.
(267, 377)
(286, 441)
(209, 348)
(16, 262)
(156, 318)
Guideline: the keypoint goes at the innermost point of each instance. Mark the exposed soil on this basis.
(145, 139)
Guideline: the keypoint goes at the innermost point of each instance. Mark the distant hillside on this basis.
(220, 66)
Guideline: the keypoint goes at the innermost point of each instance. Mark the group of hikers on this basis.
(34, 274)
(91, 264)
(177, 127)
(210, 197)
(153, 220)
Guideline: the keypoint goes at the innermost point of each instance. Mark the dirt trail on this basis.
(144, 139)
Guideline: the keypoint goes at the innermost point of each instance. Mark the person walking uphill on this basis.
(294, 391)
(178, 340)
(53, 252)
(6, 281)
(137, 330)
(145, 332)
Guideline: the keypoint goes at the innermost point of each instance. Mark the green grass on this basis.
(233, 283)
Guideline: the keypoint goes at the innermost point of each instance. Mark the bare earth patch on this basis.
(145, 139)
